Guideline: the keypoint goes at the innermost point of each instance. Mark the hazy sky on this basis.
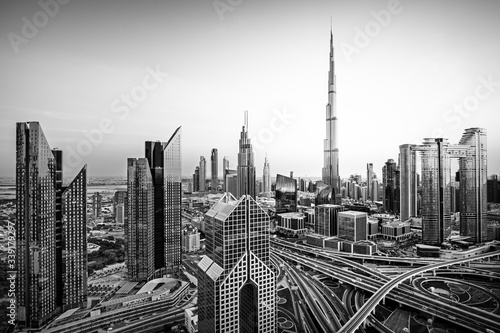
(405, 70)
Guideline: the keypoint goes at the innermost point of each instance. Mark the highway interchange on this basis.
(319, 310)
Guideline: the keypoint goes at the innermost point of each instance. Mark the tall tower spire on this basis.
(331, 150)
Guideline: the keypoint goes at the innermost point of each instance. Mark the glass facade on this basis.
(408, 183)
(326, 219)
(214, 159)
(173, 198)
(139, 231)
(352, 226)
(237, 287)
(51, 250)
(286, 194)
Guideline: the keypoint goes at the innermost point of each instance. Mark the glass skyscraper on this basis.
(236, 285)
(286, 194)
(214, 159)
(50, 231)
(139, 231)
(173, 196)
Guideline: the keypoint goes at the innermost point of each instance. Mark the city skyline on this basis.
(70, 77)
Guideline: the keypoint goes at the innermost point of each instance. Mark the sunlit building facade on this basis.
(352, 226)
(326, 219)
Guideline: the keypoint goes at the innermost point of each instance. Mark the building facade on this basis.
(286, 194)
(202, 174)
(139, 230)
(266, 176)
(352, 226)
(50, 231)
(326, 219)
(237, 287)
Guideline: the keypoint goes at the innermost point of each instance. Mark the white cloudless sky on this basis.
(416, 74)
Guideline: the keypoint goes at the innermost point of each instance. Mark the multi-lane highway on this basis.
(379, 284)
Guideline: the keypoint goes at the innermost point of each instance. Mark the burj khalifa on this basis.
(331, 149)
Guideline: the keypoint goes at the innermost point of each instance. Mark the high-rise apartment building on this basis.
(246, 168)
(173, 197)
(196, 179)
(266, 176)
(236, 285)
(330, 172)
(203, 174)
(214, 159)
(50, 231)
(139, 230)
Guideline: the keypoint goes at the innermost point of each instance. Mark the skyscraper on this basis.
(408, 183)
(266, 176)
(203, 174)
(50, 231)
(96, 205)
(225, 167)
(369, 177)
(214, 158)
(154, 155)
(473, 185)
(436, 205)
(326, 219)
(331, 163)
(246, 168)
(389, 178)
(237, 287)
(173, 197)
(196, 179)
(139, 232)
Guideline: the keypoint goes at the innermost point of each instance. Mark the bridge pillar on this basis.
(383, 301)
(433, 272)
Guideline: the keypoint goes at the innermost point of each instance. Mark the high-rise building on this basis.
(326, 219)
(389, 174)
(214, 158)
(96, 205)
(74, 243)
(408, 182)
(154, 155)
(50, 231)
(374, 190)
(246, 168)
(352, 225)
(266, 176)
(369, 178)
(236, 285)
(493, 189)
(173, 198)
(196, 179)
(203, 174)
(139, 230)
(473, 185)
(225, 167)
(331, 174)
(286, 194)
(231, 181)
